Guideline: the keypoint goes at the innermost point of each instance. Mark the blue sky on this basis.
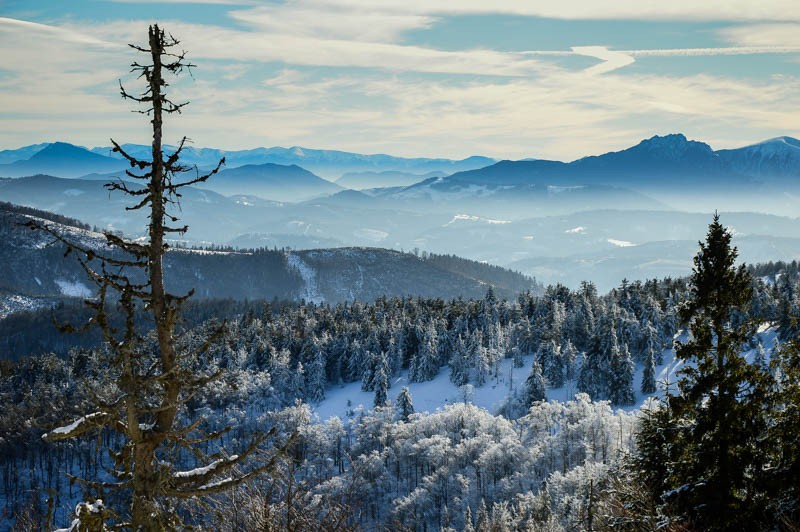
(507, 78)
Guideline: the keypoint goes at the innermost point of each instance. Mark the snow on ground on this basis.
(82, 237)
(473, 218)
(12, 303)
(345, 401)
(195, 251)
(580, 230)
(620, 243)
(311, 291)
(73, 288)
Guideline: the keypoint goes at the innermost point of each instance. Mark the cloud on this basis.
(367, 23)
(255, 87)
(708, 10)
(218, 43)
(764, 35)
(34, 29)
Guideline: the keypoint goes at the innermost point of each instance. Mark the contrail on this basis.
(615, 59)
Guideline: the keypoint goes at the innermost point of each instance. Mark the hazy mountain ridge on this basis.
(385, 179)
(32, 264)
(273, 181)
(329, 164)
(63, 159)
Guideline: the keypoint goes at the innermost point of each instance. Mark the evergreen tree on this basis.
(404, 404)
(552, 363)
(381, 387)
(315, 377)
(649, 374)
(535, 386)
(717, 417)
(622, 377)
(570, 356)
(760, 359)
(784, 434)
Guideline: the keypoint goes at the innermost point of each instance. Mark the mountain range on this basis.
(656, 166)
(549, 219)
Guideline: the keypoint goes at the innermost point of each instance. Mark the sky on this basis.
(510, 79)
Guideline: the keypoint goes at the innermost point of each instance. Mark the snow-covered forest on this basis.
(530, 463)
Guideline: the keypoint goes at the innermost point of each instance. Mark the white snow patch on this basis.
(75, 425)
(311, 292)
(198, 471)
(621, 243)
(473, 218)
(527, 237)
(212, 485)
(73, 288)
(580, 230)
(207, 251)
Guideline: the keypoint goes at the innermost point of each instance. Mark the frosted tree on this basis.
(760, 359)
(552, 363)
(381, 387)
(570, 355)
(404, 404)
(649, 373)
(153, 377)
(460, 362)
(622, 375)
(534, 386)
(425, 362)
(315, 377)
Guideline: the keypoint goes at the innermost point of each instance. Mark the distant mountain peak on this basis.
(674, 145)
(789, 141)
(60, 150)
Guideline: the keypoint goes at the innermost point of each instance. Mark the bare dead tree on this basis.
(152, 384)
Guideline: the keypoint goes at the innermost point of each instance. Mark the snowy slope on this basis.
(347, 400)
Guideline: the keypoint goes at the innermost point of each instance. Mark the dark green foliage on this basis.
(784, 435)
(703, 455)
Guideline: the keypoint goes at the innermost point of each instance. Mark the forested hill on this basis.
(32, 264)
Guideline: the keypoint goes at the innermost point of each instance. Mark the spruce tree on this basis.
(381, 388)
(649, 374)
(404, 404)
(717, 417)
(534, 386)
(622, 376)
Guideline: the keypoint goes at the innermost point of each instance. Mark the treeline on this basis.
(487, 273)
(12, 208)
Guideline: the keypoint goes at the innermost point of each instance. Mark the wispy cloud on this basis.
(259, 84)
(764, 35)
(615, 59)
(708, 10)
